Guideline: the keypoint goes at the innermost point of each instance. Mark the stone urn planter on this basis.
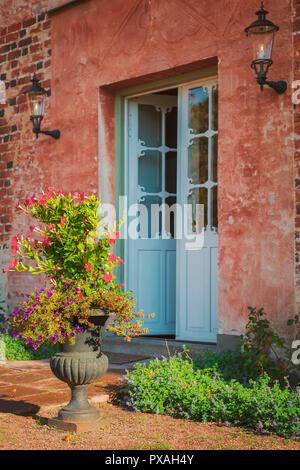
(80, 365)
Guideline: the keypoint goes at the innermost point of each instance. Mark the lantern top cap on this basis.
(261, 25)
(35, 87)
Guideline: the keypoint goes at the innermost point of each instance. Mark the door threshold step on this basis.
(153, 347)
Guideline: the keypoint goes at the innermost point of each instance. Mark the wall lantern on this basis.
(36, 96)
(262, 33)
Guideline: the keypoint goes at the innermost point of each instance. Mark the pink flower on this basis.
(17, 206)
(88, 267)
(122, 285)
(30, 201)
(14, 240)
(112, 237)
(14, 250)
(119, 260)
(49, 194)
(107, 277)
(4, 270)
(255, 310)
(62, 221)
(46, 241)
(13, 263)
(32, 228)
(56, 268)
(112, 257)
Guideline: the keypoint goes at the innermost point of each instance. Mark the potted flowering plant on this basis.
(71, 247)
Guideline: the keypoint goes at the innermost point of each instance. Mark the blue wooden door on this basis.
(197, 250)
(152, 191)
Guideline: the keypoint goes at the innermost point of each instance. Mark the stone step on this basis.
(153, 347)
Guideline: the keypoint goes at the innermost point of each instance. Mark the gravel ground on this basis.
(120, 429)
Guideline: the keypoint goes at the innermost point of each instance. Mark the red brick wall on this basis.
(25, 48)
(296, 37)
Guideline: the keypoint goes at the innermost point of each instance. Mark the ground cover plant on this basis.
(13, 349)
(207, 392)
(254, 386)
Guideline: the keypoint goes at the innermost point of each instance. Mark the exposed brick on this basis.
(22, 33)
(46, 25)
(12, 37)
(25, 42)
(14, 27)
(12, 101)
(29, 22)
(14, 55)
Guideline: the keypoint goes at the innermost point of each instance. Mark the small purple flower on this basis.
(49, 294)
(56, 314)
(42, 290)
(52, 339)
(40, 337)
(76, 289)
(33, 305)
(26, 315)
(29, 340)
(227, 424)
(52, 287)
(56, 336)
(14, 334)
(15, 313)
(20, 310)
(63, 335)
(29, 310)
(35, 345)
(81, 330)
(37, 299)
(72, 334)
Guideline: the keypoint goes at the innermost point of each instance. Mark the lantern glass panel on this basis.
(36, 103)
(262, 43)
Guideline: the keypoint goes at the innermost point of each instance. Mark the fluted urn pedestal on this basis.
(80, 365)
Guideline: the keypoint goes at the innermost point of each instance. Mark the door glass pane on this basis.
(149, 171)
(198, 210)
(171, 128)
(215, 109)
(149, 125)
(171, 172)
(171, 215)
(214, 206)
(198, 161)
(198, 110)
(214, 173)
(151, 219)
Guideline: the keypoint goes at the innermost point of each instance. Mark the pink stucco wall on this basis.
(99, 43)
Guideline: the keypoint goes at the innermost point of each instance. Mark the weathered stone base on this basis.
(227, 342)
(61, 425)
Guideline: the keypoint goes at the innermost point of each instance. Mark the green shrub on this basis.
(179, 387)
(13, 349)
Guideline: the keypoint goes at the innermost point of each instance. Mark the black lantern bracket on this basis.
(36, 99)
(258, 29)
